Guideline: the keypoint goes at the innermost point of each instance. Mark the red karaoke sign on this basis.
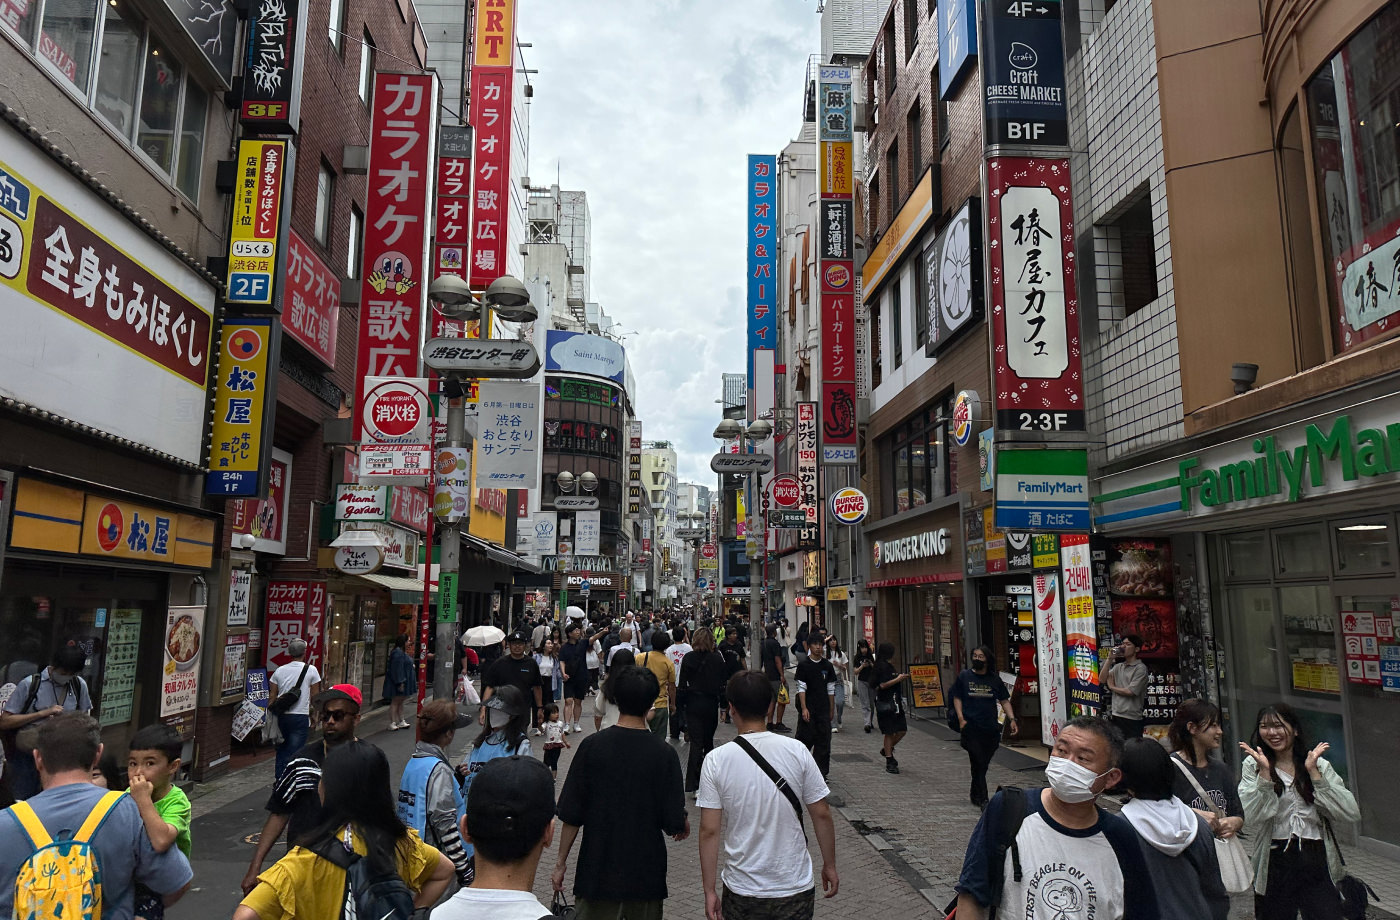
(492, 80)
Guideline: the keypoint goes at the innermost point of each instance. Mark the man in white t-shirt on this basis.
(295, 723)
(767, 871)
(624, 636)
(679, 648)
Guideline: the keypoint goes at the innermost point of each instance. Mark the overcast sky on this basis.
(650, 106)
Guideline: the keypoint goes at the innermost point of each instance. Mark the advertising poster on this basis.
(235, 669)
(184, 640)
(1023, 64)
(1361, 647)
(256, 222)
(1140, 594)
(588, 533)
(285, 620)
(264, 518)
(311, 316)
(239, 590)
(1081, 634)
(1050, 656)
(507, 441)
(255, 686)
(119, 666)
(926, 686)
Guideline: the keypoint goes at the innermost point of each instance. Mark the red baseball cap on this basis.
(340, 692)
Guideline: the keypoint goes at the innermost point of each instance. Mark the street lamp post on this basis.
(567, 483)
(757, 432)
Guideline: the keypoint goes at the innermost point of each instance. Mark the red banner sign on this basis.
(295, 610)
(312, 316)
(410, 508)
(396, 233)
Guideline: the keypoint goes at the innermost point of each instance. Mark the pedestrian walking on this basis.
(554, 740)
(295, 803)
(1195, 736)
(1053, 853)
(510, 820)
(604, 703)
(400, 682)
(1177, 843)
(679, 648)
(885, 683)
(977, 695)
(551, 678)
(816, 701)
(35, 699)
(771, 653)
(658, 663)
(595, 660)
(430, 798)
(1291, 797)
(66, 750)
(298, 682)
(862, 669)
(573, 658)
(358, 820)
(515, 669)
(752, 795)
(624, 642)
(1127, 681)
(702, 679)
(624, 792)
(841, 662)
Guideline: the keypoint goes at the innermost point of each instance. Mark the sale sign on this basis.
(492, 82)
(396, 234)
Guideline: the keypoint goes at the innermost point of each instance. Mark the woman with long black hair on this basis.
(357, 815)
(1291, 796)
(862, 669)
(889, 703)
(703, 675)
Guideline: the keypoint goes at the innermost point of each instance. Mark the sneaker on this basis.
(835, 729)
(781, 728)
(393, 726)
(867, 729)
(891, 766)
(567, 728)
(578, 727)
(535, 731)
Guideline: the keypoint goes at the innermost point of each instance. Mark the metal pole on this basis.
(449, 563)
(755, 586)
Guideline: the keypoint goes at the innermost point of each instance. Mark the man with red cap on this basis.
(295, 803)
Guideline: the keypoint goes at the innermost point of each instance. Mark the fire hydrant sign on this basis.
(184, 641)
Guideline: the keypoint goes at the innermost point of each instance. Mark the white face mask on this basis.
(1071, 782)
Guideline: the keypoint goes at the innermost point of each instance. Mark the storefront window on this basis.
(901, 478)
(1247, 555)
(1302, 551)
(191, 140)
(65, 39)
(917, 471)
(1309, 639)
(1252, 615)
(1363, 547)
(19, 16)
(1354, 106)
(120, 68)
(160, 102)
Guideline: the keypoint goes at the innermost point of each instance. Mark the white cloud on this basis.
(651, 108)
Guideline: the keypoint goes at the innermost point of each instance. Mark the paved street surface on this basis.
(899, 839)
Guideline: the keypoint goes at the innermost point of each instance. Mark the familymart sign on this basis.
(1326, 456)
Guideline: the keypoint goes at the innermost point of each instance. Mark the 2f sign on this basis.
(1025, 130)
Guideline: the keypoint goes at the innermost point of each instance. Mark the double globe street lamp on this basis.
(750, 464)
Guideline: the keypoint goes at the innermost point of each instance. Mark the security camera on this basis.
(1243, 377)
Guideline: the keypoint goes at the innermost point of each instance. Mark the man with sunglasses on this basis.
(295, 803)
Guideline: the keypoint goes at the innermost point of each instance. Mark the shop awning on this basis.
(402, 588)
(497, 554)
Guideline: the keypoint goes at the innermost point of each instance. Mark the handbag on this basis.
(467, 692)
(285, 701)
(783, 696)
(272, 730)
(560, 907)
(1236, 871)
(1351, 889)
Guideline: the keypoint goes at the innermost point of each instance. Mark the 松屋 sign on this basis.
(237, 453)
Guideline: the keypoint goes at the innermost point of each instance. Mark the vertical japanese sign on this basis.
(295, 610)
(276, 36)
(492, 82)
(311, 315)
(240, 589)
(762, 258)
(403, 113)
(836, 270)
(236, 449)
(452, 212)
(957, 43)
(1081, 634)
(315, 623)
(507, 441)
(257, 218)
(1050, 655)
(1035, 312)
(807, 460)
(588, 533)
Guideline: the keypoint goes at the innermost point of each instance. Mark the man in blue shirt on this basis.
(66, 752)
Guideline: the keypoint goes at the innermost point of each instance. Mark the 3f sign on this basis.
(1025, 130)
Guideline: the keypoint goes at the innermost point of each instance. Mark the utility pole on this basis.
(449, 565)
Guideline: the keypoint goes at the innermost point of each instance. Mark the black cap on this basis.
(518, 636)
(508, 699)
(510, 791)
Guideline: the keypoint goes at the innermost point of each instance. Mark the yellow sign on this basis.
(836, 170)
(494, 33)
(812, 570)
(903, 231)
(838, 593)
(927, 685)
(256, 223)
(995, 541)
(236, 447)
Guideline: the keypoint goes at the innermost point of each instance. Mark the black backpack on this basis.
(368, 896)
(1013, 813)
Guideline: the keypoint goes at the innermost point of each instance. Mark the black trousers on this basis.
(1298, 884)
(981, 743)
(1131, 728)
(701, 720)
(678, 721)
(816, 735)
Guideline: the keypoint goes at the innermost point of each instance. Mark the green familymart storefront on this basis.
(1285, 564)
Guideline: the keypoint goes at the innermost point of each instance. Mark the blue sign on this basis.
(1023, 72)
(14, 195)
(1390, 668)
(585, 586)
(701, 584)
(762, 256)
(255, 686)
(1042, 490)
(957, 43)
(581, 353)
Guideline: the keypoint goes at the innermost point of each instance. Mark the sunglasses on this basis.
(335, 715)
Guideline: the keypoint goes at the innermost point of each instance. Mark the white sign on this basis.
(1050, 657)
(400, 545)
(452, 483)
(545, 526)
(1368, 287)
(362, 503)
(1037, 335)
(400, 464)
(396, 410)
(581, 353)
(184, 641)
(239, 588)
(507, 442)
(588, 533)
(358, 560)
(807, 459)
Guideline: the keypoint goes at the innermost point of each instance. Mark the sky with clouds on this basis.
(650, 106)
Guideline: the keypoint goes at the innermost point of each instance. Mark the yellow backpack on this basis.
(61, 879)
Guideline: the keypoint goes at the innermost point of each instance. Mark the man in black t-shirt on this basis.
(772, 654)
(816, 700)
(977, 694)
(517, 669)
(624, 791)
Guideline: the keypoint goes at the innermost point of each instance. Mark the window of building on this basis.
(119, 73)
(942, 108)
(911, 27)
(917, 468)
(914, 126)
(160, 105)
(1127, 258)
(1355, 140)
(66, 38)
(876, 368)
(873, 198)
(891, 58)
(325, 203)
(192, 124)
(336, 25)
(896, 324)
(920, 300)
(367, 55)
(354, 251)
(892, 177)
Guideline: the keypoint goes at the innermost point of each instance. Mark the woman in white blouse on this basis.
(1291, 796)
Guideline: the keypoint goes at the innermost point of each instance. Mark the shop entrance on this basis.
(1370, 707)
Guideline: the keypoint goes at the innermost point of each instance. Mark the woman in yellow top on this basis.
(358, 813)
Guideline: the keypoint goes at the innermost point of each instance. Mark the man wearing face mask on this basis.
(1067, 857)
(977, 695)
(36, 699)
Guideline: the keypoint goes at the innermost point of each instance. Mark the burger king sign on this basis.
(848, 506)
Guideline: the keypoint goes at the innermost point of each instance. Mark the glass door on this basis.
(1367, 613)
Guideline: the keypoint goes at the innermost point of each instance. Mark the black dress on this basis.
(889, 702)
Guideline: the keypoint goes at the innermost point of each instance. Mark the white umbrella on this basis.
(575, 613)
(482, 635)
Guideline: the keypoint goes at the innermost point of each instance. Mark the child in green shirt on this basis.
(153, 760)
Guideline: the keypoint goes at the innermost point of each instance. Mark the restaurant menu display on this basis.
(119, 667)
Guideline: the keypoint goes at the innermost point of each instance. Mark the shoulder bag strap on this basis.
(776, 777)
(301, 677)
(1191, 778)
(1327, 823)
